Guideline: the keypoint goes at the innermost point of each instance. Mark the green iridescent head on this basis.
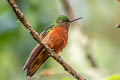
(61, 20)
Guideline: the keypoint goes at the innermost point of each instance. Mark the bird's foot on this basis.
(59, 57)
(52, 50)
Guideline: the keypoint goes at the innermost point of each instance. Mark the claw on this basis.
(52, 50)
(59, 57)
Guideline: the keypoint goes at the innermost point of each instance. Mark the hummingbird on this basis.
(55, 37)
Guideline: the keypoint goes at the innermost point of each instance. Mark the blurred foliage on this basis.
(99, 19)
(114, 77)
(66, 79)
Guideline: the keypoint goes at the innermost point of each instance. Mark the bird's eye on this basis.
(61, 21)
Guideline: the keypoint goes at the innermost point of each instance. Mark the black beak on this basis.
(75, 19)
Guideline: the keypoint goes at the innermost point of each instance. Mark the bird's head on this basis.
(63, 21)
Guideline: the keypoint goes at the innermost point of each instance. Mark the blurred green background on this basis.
(98, 24)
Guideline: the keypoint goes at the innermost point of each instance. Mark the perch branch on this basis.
(35, 36)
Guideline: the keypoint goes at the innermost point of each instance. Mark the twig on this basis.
(35, 36)
(69, 11)
(49, 73)
(91, 59)
(117, 25)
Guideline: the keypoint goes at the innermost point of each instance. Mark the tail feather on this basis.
(35, 52)
(41, 58)
(37, 57)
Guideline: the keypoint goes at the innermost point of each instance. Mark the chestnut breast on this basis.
(57, 38)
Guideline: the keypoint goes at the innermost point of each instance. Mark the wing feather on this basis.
(37, 56)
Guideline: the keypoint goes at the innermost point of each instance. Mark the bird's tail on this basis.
(39, 60)
(33, 64)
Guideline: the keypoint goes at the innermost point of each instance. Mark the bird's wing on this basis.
(46, 31)
(35, 54)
